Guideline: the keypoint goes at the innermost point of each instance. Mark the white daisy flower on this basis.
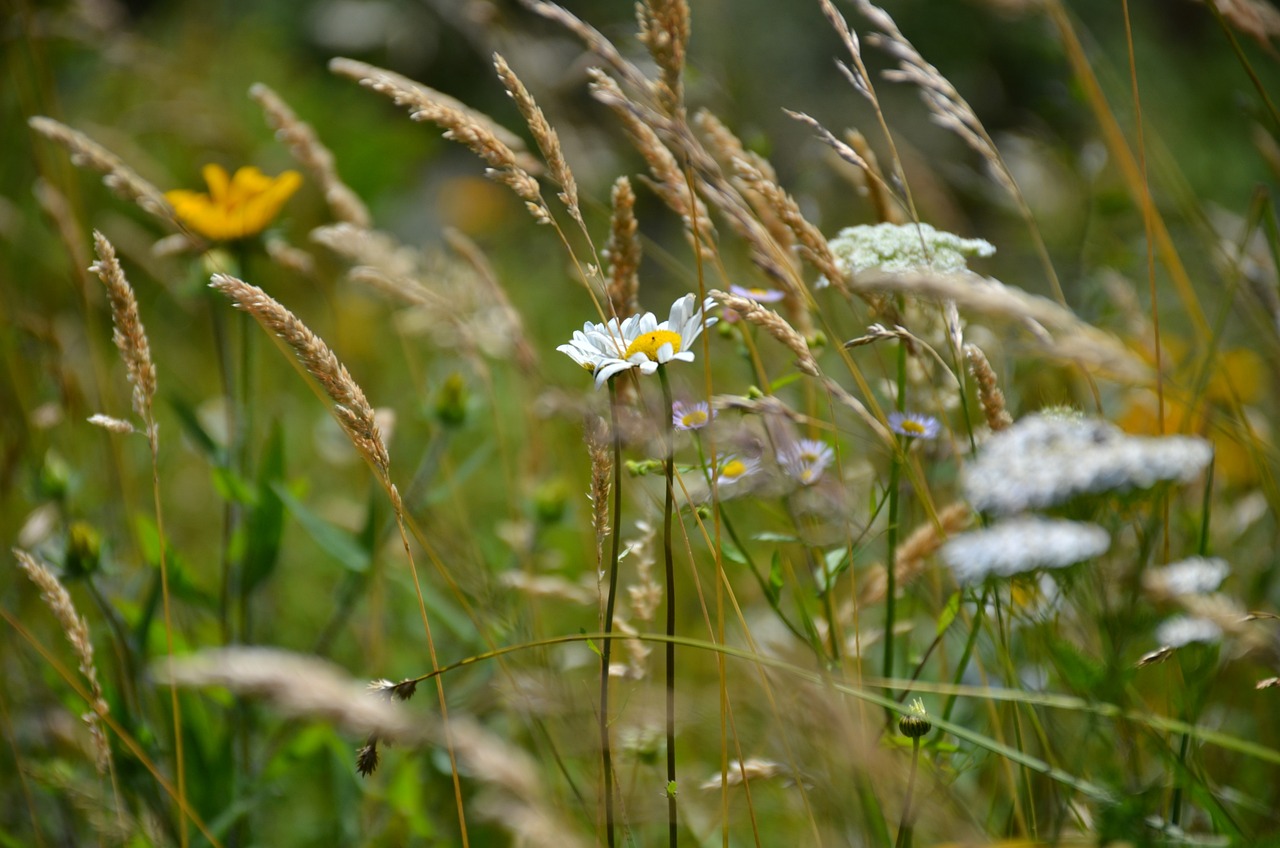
(734, 469)
(806, 460)
(639, 341)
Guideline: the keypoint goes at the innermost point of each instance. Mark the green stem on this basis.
(895, 475)
(967, 654)
(668, 503)
(606, 650)
(904, 828)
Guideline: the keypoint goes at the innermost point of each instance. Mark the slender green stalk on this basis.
(904, 827)
(606, 650)
(891, 539)
(669, 501)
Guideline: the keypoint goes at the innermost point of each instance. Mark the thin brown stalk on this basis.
(350, 406)
(76, 629)
(311, 153)
(544, 135)
(989, 394)
(622, 252)
(475, 131)
(117, 176)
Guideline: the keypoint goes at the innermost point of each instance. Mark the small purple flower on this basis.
(806, 460)
(757, 294)
(691, 416)
(914, 425)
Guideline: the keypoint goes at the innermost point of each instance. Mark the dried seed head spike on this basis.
(526, 354)
(888, 207)
(664, 29)
(129, 335)
(593, 39)
(668, 178)
(349, 404)
(989, 394)
(311, 153)
(622, 251)
(601, 454)
(117, 176)
(56, 598)
(475, 131)
(772, 323)
(544, 135)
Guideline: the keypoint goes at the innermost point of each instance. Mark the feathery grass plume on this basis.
(1048, 459)
(989, 394)
(544, 135)
(349, 404)
(912, 552)
(296, 685)
(56, 598)
(668, 178)
(311, 153)
(1077, 340)
(1022, 544)
(726, 147)
(477, 132)
(622, 251)
(115, 425)
(753, 313)
(120, 178)
(664, 29)
(70, 233)
(1256, 18)
(887, 208)
(129, 335)
(287, 256)
(379, 261)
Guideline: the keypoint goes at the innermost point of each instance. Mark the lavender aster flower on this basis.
(914, 425)
(806, 460)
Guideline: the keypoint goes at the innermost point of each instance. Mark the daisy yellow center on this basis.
(648, 343)
(695, 418)
(913, 428)
(733, 469)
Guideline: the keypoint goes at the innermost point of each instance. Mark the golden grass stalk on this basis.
(475, 131)
(76, 629)
(600, 452)
(117, 176)
(989, 394)
(311, 153)
(526, 354)
(726, 147)
(664, 29)
(115, 425)
(129, 335)
(593, 39)
(350, 406)
(622, 251)
(289, 257)
(772, 323)
(380, 262)
(544, 135)
(883, 201)
(911, 554)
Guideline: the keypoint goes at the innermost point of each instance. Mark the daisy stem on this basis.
(669, 449)
(606, 649)
(891, 539)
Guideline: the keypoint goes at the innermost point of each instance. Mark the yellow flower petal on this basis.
(235, 207)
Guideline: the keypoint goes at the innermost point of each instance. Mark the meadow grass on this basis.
(831, 527)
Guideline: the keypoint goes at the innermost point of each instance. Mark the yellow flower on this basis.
(236, 206)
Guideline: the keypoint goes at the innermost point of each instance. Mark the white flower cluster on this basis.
(1191, 576)
(1182, 630)
(1048, 459)
(902, 247)
(1020, 545)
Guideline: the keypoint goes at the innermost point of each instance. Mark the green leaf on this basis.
(775, 579)
(949, 613)
(189, 422)
(774, 537)
(264, 525)
(732, 554)
(336, 542)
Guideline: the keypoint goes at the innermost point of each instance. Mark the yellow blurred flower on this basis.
(235, 207)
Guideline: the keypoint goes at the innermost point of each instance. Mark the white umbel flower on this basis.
(1049, 459)
(1182, 630)
(640, 341)
(1192, 576)
(898, 248)
(1022, 544)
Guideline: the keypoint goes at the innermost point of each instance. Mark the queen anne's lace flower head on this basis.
(640, 341)
(897, 248)
(1192, 576)
(1049, 459)
(1022, 544)
(1182, 630)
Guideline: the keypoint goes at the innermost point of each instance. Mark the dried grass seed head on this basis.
(1048, 459)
